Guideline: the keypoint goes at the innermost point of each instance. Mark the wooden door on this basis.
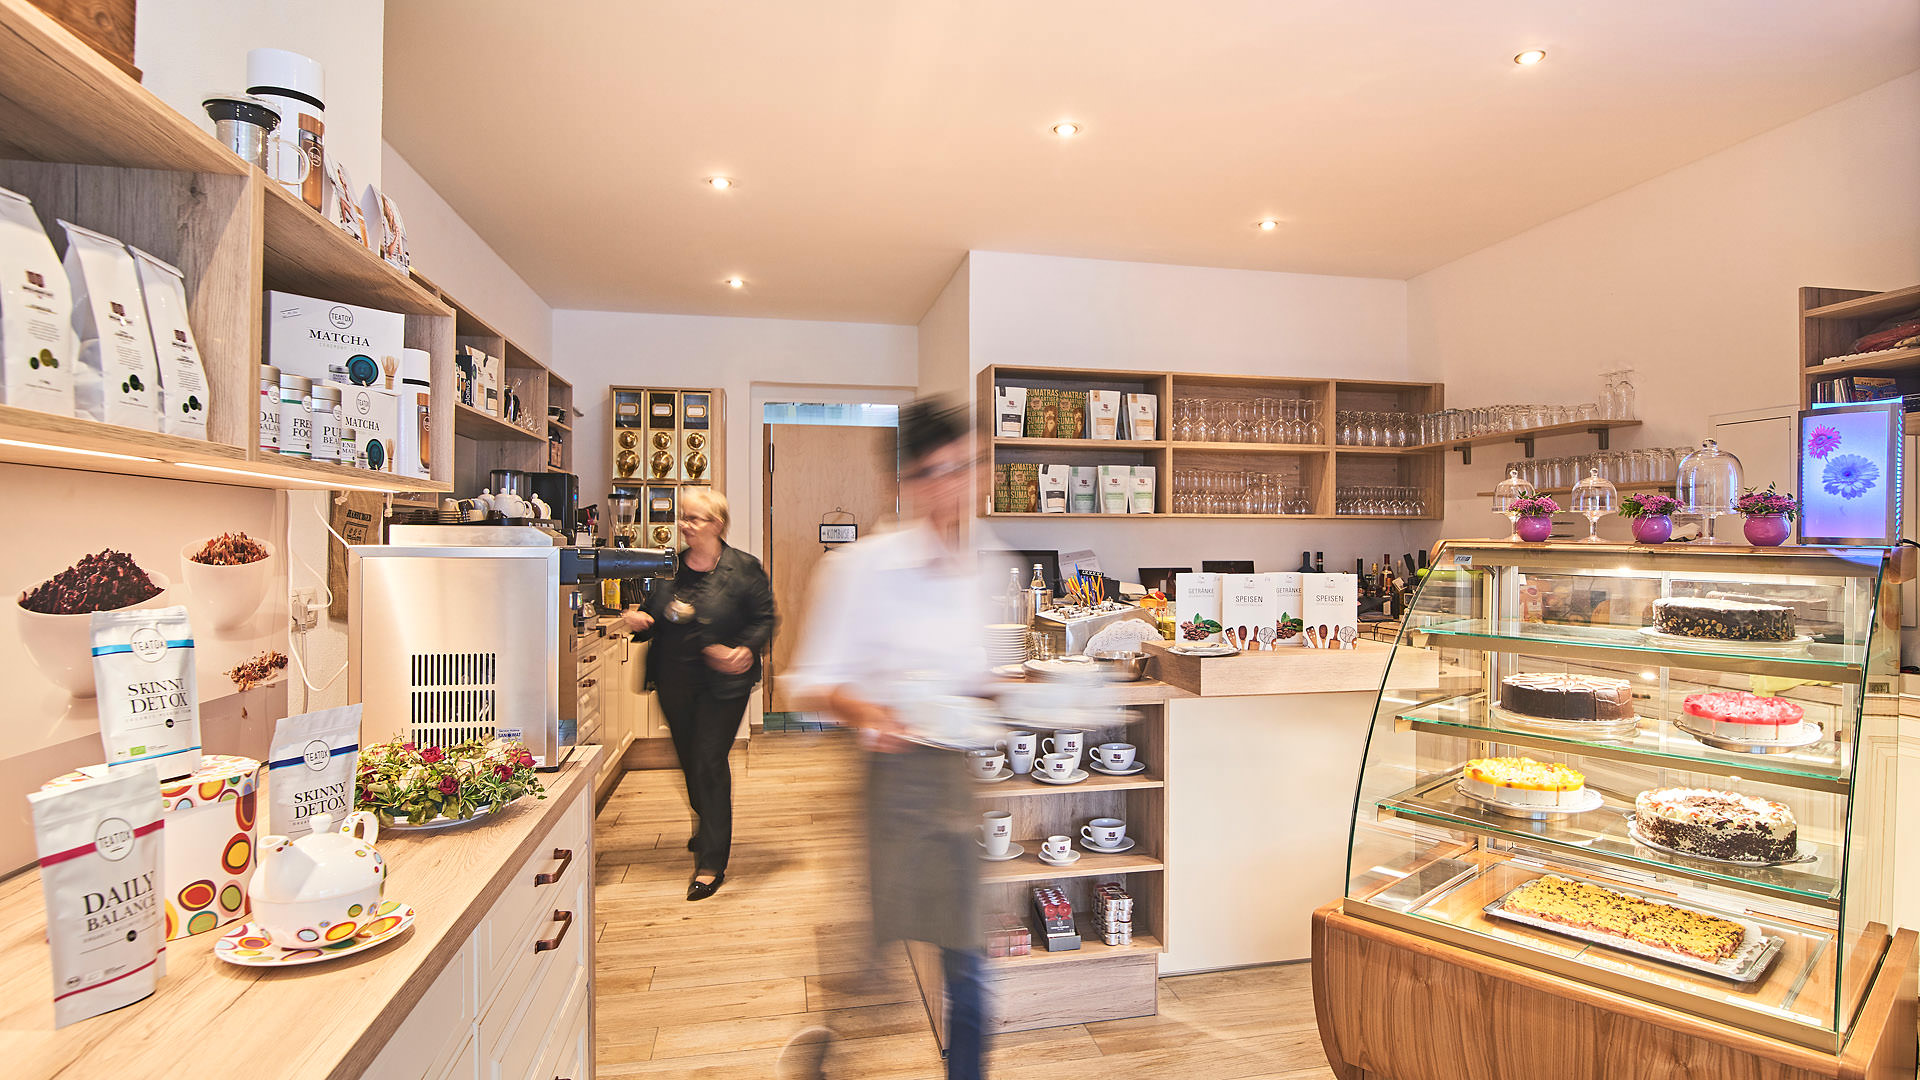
(812, 471)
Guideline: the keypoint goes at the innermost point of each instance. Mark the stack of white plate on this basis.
(1006, 644)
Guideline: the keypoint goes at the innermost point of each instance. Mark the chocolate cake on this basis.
(1554, 696)
(1731, 620)
(1717, 824)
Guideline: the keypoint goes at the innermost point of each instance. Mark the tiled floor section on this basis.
(713, 990)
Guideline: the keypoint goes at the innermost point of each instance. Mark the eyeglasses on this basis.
(696, 520)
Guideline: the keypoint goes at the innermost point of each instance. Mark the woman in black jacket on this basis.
(708, 630)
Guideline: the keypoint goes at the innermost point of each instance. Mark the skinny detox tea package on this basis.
(149, 700)
(311, 769)
(99, 849)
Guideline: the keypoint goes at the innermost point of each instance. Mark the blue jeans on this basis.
(966, 1014)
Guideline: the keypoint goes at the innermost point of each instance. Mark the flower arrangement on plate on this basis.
(1769, 516)
(1651, 515)
(410, 786)
(1533, 516)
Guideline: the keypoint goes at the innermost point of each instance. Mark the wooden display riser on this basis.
(1397, 1006)
(1024, 993)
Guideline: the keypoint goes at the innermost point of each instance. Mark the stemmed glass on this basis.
(1313, 432)
(1596, 497)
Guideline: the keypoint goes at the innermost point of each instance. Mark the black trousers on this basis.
(703, 726)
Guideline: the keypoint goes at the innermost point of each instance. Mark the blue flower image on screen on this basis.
(1849, 476)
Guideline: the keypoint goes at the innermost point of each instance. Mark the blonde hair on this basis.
(707, 501)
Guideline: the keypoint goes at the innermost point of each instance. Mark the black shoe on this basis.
(691, 841)
(700, 890)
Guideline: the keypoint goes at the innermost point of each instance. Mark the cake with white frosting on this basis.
(1729, 620)
(1525, 782)
(1717, 824)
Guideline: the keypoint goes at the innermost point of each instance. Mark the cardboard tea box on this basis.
(369, 428)
(330, 342)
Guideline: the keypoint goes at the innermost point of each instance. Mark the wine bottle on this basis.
(1306, 562)
(1319, 562)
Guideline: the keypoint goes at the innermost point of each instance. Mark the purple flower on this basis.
(1849, 476)
(1823, 441)
(1534, 506)
(1648, 504)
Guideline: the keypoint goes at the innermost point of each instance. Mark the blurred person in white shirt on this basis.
(894, 642)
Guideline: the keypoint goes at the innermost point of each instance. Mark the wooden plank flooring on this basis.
(713, 990)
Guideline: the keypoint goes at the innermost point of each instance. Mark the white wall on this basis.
(450, 254)
(187, 48)
(944, 355)
(1090, 313)
(599, 349)
(1691, 278)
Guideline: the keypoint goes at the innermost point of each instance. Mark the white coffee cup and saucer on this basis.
(1058, 850)
(996, 837)
(1115, 759)
(1058, 769)
(988, 766)
(1106, 835)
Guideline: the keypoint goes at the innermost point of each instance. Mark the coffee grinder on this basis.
(625, 506)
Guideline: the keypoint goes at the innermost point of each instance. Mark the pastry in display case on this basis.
(1665, 773)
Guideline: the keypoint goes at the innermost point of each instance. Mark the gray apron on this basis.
(922, 844)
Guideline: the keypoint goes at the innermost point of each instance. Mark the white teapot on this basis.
(320, 889)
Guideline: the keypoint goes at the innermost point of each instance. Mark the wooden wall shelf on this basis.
(1602, 429)
(1831, 320)
(471, 423)
(1320, 466)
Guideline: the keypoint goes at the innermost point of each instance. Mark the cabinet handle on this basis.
(565, 919)
(588, 684)
(591, 659)
(565, 855)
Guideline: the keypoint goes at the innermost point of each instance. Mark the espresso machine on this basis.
(462, 626)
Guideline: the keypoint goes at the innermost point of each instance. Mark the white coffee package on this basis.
(1140, 409)
(1140, 491)
(1330, 610)
(1116, 488)
(1287, 624)
(311, 768)
(1084, 496)
(36, 314)
(1055, 481)
(99, 850)
(1103, 414)
(144, 681)
(1247, 611)
(1196, 608)
(1010, 411)
(116, 379)
(183, 381)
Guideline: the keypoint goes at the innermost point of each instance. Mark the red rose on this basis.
(504, 772)
(432, 754)
(448, 785)
(525, 759)
(408, 747)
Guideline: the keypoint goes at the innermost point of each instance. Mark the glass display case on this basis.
(1665, 772)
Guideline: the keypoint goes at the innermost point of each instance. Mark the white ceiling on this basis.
(875, 141)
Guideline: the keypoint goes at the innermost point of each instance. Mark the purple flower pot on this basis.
(1533, 529)
(1767, 530)
(1652, 530)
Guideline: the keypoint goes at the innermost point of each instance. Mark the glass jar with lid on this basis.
(1504, 493)
(1596, 497)
(1707, 482)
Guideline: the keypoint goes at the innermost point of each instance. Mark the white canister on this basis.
(296, 85)
(326, 422)
(296, 416)
(269, 408)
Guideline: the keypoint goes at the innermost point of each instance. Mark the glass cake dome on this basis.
(1513, 487)
(1596, 497)
(1707, 483)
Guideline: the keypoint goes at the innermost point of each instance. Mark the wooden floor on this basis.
(714, 989)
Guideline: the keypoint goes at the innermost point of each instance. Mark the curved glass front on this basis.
(1742, 699)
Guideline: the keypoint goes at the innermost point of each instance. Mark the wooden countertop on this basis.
(1286, 671)
(318, 1021)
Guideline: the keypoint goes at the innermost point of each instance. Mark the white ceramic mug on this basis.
(1066, 742)
(1056, 766)
(1021, 748)
(1105, 833)
(1117, 756)
(996, 831)
(986, 764)
(1057, 847)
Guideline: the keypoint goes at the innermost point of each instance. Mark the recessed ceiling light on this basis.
(1066, 129)
(736, 283)
(1530, 57)
(719, 183)
(1266, 224)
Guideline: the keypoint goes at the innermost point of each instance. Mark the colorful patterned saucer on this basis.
(247, 945)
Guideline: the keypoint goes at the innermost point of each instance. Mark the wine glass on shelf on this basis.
(1202, 428)
(1596, 497)
(1312, 432)
(1183, 422)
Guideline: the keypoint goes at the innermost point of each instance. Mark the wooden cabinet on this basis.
(1833, 320)
(512, 1003)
